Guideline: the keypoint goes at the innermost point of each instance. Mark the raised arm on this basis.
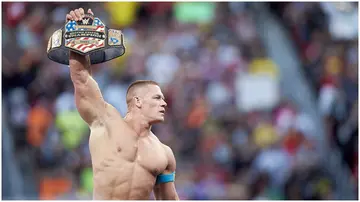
(88, 98)
(165, 184)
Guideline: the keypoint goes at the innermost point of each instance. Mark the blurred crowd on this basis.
(234, 135)
(326, 37)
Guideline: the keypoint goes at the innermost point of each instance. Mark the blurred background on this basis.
(262, 97)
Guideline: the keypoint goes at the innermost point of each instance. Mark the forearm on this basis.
(80, 69)
(88, 97)
(157, 192)
(80, 73)
(165, 193)
(176, 197)
(173, 196)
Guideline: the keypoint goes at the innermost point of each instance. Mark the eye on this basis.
(158, 97)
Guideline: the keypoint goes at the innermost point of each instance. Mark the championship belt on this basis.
(88, 36)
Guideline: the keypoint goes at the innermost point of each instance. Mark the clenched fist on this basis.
(77, 14)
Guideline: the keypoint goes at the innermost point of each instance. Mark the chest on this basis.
(146, 153)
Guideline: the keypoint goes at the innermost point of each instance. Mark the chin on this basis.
(159, 120)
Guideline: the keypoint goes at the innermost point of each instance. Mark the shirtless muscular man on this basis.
(128, 160)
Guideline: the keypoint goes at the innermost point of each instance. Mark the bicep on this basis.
(165, 188)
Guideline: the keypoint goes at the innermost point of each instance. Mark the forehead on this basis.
(154, 89)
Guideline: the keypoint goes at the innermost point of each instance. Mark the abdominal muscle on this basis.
(121, 180)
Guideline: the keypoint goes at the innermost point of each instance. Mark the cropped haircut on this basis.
(138, 83)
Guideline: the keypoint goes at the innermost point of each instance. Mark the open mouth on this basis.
(162, 111)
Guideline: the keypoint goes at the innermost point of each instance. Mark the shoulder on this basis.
(167, 149)
(171, 157)
(169, 154)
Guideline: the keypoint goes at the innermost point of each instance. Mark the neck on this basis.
(138, 123)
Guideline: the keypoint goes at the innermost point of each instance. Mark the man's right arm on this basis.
(88, 98)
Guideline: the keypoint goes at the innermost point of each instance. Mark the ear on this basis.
(137, 102)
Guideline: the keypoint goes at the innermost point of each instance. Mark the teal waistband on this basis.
(164, 178)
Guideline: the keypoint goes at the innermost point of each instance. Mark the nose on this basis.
(163, 104)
